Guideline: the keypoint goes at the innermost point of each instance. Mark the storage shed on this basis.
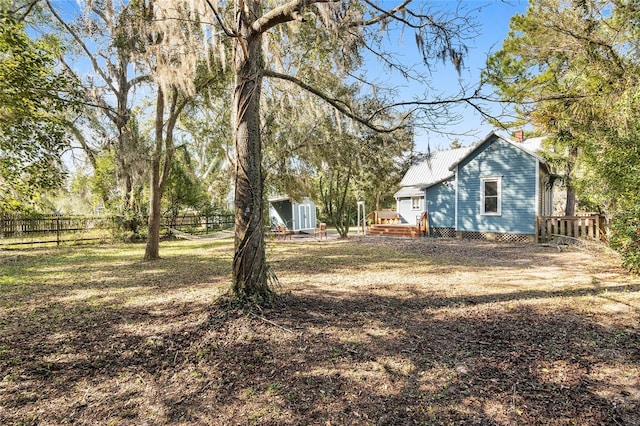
(297, 216)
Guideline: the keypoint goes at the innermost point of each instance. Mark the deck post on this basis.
(361, 220)
(426, 224)
(57, 230)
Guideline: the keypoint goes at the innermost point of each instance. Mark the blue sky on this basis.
(493, 25)
(492, 18)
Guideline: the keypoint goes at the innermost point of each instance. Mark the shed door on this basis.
(304, 211)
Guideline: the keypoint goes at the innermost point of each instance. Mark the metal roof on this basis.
(534, 144)
(434, 169)
(409, 191)
(440, 165)
(277, 198)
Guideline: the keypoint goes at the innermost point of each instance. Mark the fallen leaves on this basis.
(380, 331)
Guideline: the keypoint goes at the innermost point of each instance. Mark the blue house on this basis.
(492, 190)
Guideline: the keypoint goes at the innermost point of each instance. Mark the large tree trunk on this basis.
(160, 169)
(570, 207)
(152, 250)
(249, 263)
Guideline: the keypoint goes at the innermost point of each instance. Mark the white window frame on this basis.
(483, 181)
(416, 203)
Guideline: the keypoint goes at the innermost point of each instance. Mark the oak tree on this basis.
(251, 25)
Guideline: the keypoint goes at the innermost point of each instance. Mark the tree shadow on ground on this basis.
(381, 360)
(352, 359)
(441, 255)
(145, 347)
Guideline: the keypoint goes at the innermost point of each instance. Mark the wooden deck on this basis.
(387, 223)
(394, 230)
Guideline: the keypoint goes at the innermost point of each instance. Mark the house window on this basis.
(491, 195)
(415, 203)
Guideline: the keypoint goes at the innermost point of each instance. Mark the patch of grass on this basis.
(275, 388)
(367, 331)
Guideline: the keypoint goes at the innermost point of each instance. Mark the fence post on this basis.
(57, 230)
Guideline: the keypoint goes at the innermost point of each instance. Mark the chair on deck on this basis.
(321, 229)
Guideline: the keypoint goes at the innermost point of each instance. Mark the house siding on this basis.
(440, 200)
(517, 169)
(407, 214)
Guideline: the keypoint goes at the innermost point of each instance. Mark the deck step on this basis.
(394, 230)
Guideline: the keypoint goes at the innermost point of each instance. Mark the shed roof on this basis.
(434, 169)
(280, 198)
(277, 198)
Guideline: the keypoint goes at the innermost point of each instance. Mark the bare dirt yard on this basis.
(366, 331)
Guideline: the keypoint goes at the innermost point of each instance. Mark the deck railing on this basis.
(391, 217)
(378, 217)
(592, 227)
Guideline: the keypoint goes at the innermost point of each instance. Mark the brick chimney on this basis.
(518, 135)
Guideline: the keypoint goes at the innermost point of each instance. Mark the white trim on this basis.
(455, 208)
(483, 180)
(417, 206)
(537, 195)
(425, 207)
(550, 197)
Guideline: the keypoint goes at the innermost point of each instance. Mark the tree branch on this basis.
(291, 11)
(384, 14)
(336, 103)
(228, 32)
(84, 47)
(29, 7)
(90, 152)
